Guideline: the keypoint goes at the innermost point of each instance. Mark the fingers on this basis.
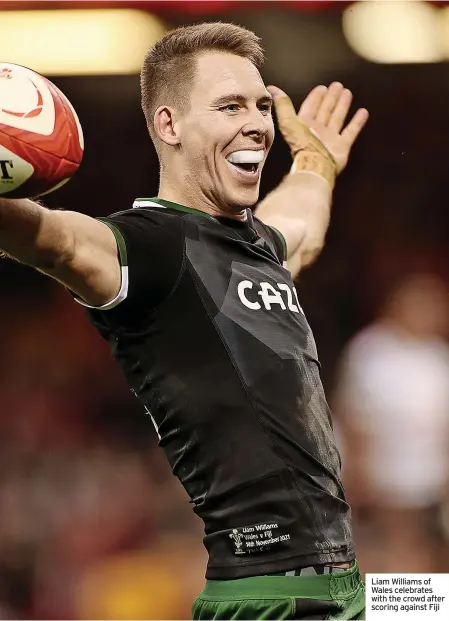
(324, 106)
(282, 103)
(311, 104)
(329, 102)
(276, 92)
(340, 112)
(355, 126)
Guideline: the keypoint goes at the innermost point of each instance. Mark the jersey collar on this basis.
(163, 204)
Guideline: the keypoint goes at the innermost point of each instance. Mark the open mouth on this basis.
(249, 168)
(246, 161)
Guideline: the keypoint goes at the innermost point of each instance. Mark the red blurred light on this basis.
(197, 7)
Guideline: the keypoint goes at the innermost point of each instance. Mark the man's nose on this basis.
(257, 125)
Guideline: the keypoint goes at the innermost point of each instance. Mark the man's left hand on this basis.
(322, 116)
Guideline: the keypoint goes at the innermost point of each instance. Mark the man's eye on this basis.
(265, 108)
(231, 108)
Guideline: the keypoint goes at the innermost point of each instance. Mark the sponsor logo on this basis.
(265, 295)
(5, 165)
(6, 74)
(26, 101)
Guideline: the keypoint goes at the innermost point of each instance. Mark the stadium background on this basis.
(92, 525)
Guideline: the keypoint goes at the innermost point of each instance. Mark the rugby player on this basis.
(196, 298)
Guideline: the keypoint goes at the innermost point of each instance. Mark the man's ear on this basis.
(165, 125)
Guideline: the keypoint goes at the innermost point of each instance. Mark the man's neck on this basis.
(169, 192)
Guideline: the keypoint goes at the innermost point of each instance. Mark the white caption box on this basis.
(402, 597)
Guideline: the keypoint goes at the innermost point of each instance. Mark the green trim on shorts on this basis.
(336, 596)
(326, 586)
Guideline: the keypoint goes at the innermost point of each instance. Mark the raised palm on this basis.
(321, 116)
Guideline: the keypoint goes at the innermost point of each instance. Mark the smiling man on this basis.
(196, 297)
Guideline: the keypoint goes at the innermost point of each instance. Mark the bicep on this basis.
(300, 208)
(89, 265)
(291, 233)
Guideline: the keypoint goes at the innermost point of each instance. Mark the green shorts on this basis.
(339, 595)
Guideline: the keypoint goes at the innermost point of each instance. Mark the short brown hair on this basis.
(169, 67)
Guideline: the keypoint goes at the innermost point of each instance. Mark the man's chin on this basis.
(243, 199)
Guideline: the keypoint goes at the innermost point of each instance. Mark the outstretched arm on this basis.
(78, 251)
(300, 206)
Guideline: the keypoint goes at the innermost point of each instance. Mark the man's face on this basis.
(227, 132)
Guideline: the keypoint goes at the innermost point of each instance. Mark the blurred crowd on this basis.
(391, 408)
(93, 525)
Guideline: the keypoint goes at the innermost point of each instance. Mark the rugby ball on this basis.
(41, 140)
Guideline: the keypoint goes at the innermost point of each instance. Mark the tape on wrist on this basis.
(311, 161)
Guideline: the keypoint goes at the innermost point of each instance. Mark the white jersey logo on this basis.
(281, 296)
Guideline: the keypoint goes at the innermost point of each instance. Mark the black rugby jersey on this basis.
(210, 335)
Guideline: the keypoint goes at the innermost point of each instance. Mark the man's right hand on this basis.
(77, 250)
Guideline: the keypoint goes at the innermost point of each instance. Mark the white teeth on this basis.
(246, 157)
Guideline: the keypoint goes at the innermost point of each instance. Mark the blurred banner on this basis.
(116, 35)
(189, 6)
(195, 6)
